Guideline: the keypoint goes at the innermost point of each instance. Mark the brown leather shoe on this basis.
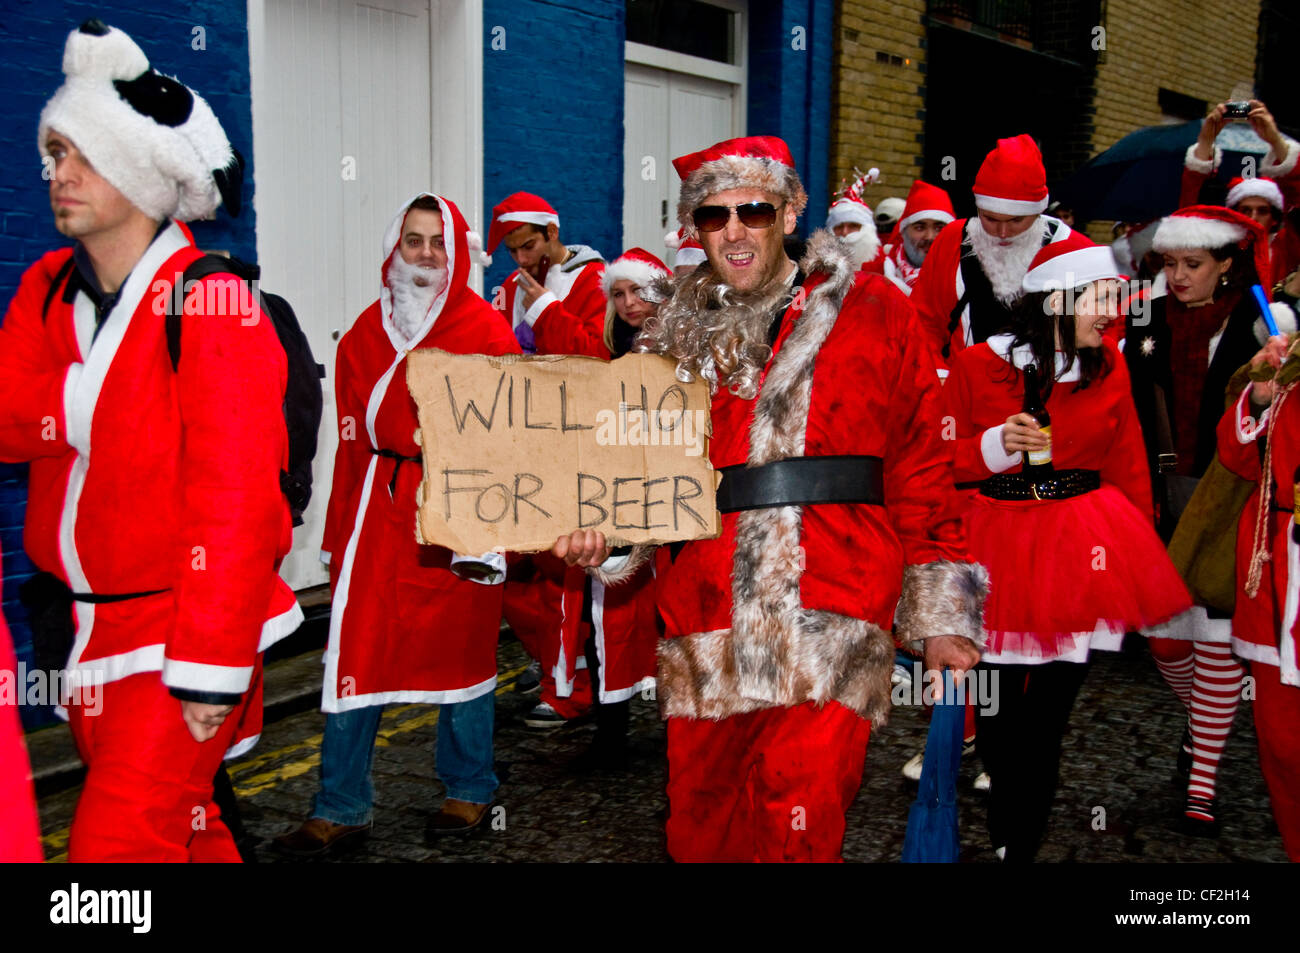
(457, 817)
(317, 837)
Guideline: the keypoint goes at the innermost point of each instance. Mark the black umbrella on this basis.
(1139, 178)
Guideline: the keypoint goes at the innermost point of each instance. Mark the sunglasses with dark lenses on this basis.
(712, 218)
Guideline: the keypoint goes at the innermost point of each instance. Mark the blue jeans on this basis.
(464, 758)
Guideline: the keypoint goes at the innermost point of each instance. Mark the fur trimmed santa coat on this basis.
(795, 604)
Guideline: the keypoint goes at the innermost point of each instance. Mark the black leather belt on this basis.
(802, 481)
(1059, 485)
(400, 458)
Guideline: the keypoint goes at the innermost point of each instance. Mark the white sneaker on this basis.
(912, 770)
(982, 781)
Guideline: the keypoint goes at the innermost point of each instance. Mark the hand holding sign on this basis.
(519, 452)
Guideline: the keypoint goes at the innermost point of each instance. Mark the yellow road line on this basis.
(248, 787)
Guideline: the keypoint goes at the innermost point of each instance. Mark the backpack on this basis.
(302, 394)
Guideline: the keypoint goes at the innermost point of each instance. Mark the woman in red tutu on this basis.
(1073, 559)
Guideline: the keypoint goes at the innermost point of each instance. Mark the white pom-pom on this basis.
(872, 175)
(673, 240)
(475, 242)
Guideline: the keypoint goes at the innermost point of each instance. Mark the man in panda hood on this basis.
(154, 489)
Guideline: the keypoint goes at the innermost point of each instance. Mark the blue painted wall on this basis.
(32, 35)
(790, 59)
(553, 116)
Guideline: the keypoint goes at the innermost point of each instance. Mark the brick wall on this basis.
(1189, 46)
(553, 116)
(31, 53)
(879, 107)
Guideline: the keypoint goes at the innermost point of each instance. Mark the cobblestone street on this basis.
(1118, 757)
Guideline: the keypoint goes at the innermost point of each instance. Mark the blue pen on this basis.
(1258, 292)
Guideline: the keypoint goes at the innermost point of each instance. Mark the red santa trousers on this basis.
(146, 775)
(1277, 725)
(770, 785)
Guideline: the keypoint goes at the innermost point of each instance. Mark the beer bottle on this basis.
(1037, 462)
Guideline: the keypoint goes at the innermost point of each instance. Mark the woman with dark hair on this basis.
(1182, 349)
(1059, 511)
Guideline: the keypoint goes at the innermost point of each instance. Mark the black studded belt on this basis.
(1058, 485)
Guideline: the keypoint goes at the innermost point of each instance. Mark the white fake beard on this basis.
(860, 246)
(411, 302)
(1005, 265)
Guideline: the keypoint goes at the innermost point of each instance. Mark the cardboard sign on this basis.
(521, 450)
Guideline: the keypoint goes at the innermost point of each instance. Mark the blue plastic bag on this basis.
(932, 821)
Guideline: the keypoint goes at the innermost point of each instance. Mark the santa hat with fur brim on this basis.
(150, 136)
(1012, 179)
(926, 202)
(1210, 227)
(635, 264)
(750, 162)
(1072, 262)
(1257, 187)
(521, 208)
(688, 250)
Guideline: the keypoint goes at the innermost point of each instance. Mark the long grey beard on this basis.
(1005, 265)
(715, 332)
(411, 302)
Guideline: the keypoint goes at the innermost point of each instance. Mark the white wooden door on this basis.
(343, 134)
(666, 114)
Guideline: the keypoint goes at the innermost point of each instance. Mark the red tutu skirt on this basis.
(1060, 569)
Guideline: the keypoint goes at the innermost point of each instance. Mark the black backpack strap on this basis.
(60, 277)
(966, 253)
(199, 269)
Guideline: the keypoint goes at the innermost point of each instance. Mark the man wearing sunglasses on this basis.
(836, 528)
(970, 281)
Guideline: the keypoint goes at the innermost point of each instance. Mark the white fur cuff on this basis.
(541, 304)
(621, 568)
(994, 452)
(1275, 168)
(1203, 166)
(941, 598)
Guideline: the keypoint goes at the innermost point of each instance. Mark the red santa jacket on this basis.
(569, 318)
(1092, 429)
(1264, 626)
(20, 834)
(404, 627)
(148, 478)
(794, 604)
(940, 286)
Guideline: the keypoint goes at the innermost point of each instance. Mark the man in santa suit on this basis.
(927, 211)
(553, 296)
(838, 522)
(154, 487)
(555, 284)
(405, 626)
(1266, 619)
(850, 219)
(972, 273)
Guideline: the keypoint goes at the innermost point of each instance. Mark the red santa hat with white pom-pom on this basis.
(1012, 180)
(635, 264)
(1212, 227)
(926, 202)
(521, 208)
(1255, 187)
(850, 206)
(689, 250)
